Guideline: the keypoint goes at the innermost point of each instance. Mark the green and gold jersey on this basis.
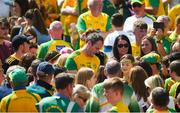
(119, 108)
(19, 101)
(53, 45)
(58, 103)
(175, 89)
(98, 102)
(78, 59)
(88, 21)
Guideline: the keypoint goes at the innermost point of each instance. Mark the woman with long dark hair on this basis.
(148, 45)
(121, 47)
(35, 20)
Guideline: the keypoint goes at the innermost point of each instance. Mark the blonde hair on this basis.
(82, 91)
(83, 75)
(61, 60)
(154, 81)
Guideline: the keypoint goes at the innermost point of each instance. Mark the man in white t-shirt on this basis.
(117, 22)
(139, 14)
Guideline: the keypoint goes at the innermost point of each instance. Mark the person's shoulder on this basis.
(36, 89)
(7, 97)
(131, 18)
(104, 14)
(98, 88)
(148, 16)
(46, 43)
(84, 14)
(11, 60)
(48, 100)
(75, 54)
(7, 42)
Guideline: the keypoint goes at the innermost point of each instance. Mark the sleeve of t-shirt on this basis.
(108, 26)
(81, 25)
(70, 64)
(154, 3)
(42, 51)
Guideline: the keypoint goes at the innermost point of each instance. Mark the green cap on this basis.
(18, 77)
(138, 1)
(151, 58)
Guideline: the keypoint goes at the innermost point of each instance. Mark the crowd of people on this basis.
(90, 56)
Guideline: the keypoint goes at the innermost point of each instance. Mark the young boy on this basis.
(113, 92)
(160, 100)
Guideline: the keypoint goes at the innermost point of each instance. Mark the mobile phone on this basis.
(158, 25)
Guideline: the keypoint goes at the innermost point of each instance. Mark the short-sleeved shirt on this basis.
(19, 101)
(119, 107)
(168, 83)
(156, 3)
(10, 61)
(78, 59)
(110, 39)
(79, 5)
(129, 22)
(88, 21)
(53, 45)
(57, 103)
(175, 89)
(98, 102)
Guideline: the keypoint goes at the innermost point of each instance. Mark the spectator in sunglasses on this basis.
(121, 47)
(139, 14)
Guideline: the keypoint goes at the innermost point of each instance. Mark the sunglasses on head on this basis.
(122, 45)
(136, 5)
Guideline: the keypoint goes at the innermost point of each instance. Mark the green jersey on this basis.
(57, 103)
(99, 103)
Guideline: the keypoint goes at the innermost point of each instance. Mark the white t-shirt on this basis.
(129, 23)
(110, 38)
(4, 8)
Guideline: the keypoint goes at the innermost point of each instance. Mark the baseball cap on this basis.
(18, 77)
(55, 25)
(20, 39)
(45, 68)
(151, 58)
(137, 1)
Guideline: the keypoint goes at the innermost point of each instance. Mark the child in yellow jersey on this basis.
(113, 92)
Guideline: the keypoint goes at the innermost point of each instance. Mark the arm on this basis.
(160, 47)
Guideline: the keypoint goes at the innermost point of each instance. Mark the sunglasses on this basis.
(136, 5)
(122, 45)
